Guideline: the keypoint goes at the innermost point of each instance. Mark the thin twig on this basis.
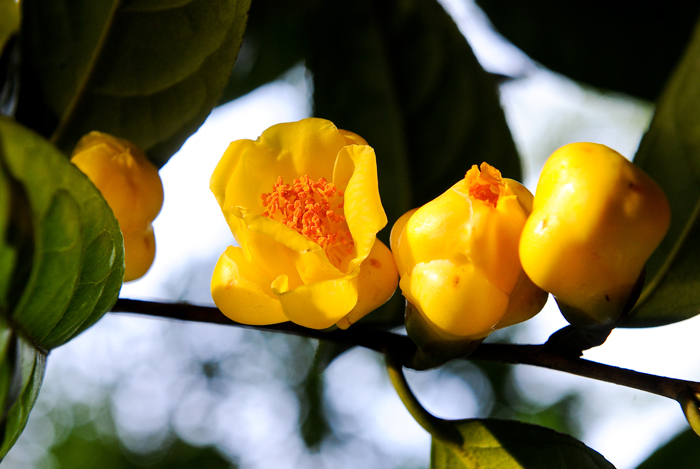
(544, 355)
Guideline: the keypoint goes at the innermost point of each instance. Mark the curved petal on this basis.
(342, 170)
(242, 292)
(320, 305)
(376, 283)
(457, 299)
(395, 241)
(139, 251)
(224, 169)
(363, 208)
(290, 150)
(272, 258)
(351, 138)
(280, 233)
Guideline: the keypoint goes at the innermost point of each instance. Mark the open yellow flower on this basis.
(131, 186)
(303, 203)
(458, 258)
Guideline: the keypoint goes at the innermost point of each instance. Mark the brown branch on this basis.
(545, 355)
(374, 339)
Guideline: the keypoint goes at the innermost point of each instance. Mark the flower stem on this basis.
(400, 349)
(437, 427)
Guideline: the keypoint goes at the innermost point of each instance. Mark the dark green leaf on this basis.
(613, 45)
(670, 153)
(149, 71)
(272, 45)
(492, 443)
(21, 373)
(681, 452)
(77, 264)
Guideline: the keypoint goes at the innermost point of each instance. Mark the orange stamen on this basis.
(313, 209)
(486, 185)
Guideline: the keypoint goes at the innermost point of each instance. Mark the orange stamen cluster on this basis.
(311, 208)
(486, 185)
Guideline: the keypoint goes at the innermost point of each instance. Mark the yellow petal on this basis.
(363, 208)
(351, 138)
(376, 283)
(397, 232)
(126, 178)
(343, 169)
(308, 260)
(250, 168)
(440, 229)
(271, 257)
(495, 238)
(457, 299)
(320, 305)
(226, 167)
(526, 300)
(242, 292)
(280, 233)
(139, 251)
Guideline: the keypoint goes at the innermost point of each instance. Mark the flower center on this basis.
(313, 209)
(486, 185)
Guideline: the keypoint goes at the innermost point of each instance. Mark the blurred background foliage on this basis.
(401, 74)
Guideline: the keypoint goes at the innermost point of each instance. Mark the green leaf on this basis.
(613, 45)
(149, 71)
(21, 372)
(491, 443)
(401, 74)
(9, 21)
(682, 451)
(77, 264)
(670, 153)
(272, 45)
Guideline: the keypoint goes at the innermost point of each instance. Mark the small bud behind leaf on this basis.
(131, 186)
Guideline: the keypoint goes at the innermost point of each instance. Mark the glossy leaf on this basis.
(149, 71)
(492, 443)
(682, 451)
(21, 373)
(76, 266)
(670, 153)
(613, 45)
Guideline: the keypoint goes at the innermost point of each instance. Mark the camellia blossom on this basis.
(133, 189)
(458, 257)
(303, 203)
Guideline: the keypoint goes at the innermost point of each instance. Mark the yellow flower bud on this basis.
(458, 258)
(596, 219)
(131, 186)
(303, 203)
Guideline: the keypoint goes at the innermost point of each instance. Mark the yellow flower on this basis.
(596, 220)
(303, 203)
(131, 186)
(458, 257)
